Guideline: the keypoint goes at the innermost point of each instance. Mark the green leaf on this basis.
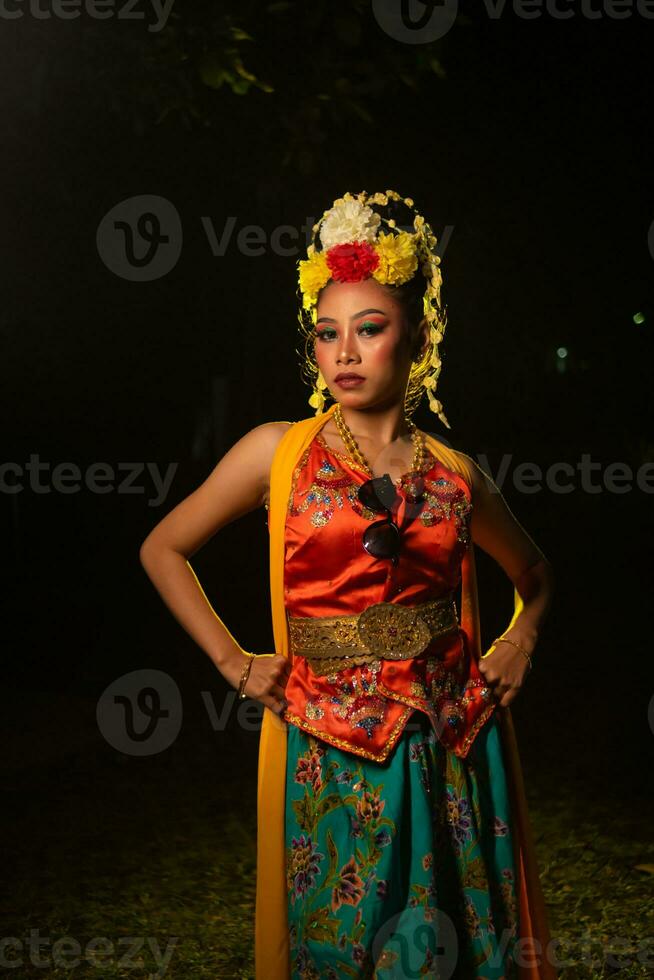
(475, 875)
(322, 928)
(327, 804)
(333, 854)
(304, 814)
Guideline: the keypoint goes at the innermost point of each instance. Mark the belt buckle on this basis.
(392, 631)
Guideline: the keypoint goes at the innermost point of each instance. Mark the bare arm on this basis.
(237, 485)
(497, 531)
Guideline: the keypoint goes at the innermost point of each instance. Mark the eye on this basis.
(368, 328)
(369, 325)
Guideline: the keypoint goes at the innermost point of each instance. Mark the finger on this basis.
(509, 698)
(277, 692)
(277, 706)
(498, 691)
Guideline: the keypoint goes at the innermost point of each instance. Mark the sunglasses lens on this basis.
(382, 540)
(378, 494)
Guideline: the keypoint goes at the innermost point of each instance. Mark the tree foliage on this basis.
(300, 72)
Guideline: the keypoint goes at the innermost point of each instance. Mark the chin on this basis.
(353, 399)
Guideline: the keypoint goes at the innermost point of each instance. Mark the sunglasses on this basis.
(381, 539)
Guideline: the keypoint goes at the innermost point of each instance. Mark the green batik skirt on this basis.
(403, 868)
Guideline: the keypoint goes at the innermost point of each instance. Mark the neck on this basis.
(377, 426)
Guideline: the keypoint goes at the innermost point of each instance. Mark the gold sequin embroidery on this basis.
(445, 498)
(331, 487)
(352, 699)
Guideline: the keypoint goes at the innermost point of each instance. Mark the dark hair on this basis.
(410, 297)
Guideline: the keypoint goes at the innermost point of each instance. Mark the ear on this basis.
(421, 342)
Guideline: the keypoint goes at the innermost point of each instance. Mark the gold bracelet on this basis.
(522, 650)
(245, 675)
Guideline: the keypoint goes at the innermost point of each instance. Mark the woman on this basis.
(393, 835)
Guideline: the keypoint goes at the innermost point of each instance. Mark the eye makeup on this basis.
(367, 325)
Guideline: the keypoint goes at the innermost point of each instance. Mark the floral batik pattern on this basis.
(402, 868)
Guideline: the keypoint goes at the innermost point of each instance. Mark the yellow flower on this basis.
(314, 274)
(317, 400)
(397, 258)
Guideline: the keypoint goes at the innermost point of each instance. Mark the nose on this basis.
(346, 354)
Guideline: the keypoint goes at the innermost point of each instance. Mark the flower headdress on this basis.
(361, 237)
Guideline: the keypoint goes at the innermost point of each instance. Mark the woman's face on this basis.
(360, 330)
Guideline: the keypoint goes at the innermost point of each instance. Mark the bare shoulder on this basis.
(270, 434)
(257, 448)
(238, 484)
(272, 431)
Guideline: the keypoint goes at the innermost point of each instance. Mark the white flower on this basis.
(349, 221)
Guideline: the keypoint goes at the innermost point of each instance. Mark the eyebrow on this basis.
(328, 319)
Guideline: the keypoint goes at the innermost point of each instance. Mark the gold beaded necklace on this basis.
(353, 448)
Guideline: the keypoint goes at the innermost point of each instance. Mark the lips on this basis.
(349, 377)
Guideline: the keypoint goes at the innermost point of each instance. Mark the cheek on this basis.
(318, 350)
(385, 353)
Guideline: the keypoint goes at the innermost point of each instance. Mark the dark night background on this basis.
(530, 140)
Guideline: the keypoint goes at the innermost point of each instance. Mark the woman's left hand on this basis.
(504, 671)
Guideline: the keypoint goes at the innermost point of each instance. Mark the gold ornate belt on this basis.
(384, 630)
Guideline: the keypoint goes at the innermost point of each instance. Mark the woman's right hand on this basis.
(267, 681)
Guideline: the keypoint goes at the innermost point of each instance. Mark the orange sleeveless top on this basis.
(327, 572)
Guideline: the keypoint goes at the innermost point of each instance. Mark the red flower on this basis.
(351, 261)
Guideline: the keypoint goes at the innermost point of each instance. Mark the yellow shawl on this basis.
(272, 960)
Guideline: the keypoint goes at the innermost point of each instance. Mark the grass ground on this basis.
(101, 845)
